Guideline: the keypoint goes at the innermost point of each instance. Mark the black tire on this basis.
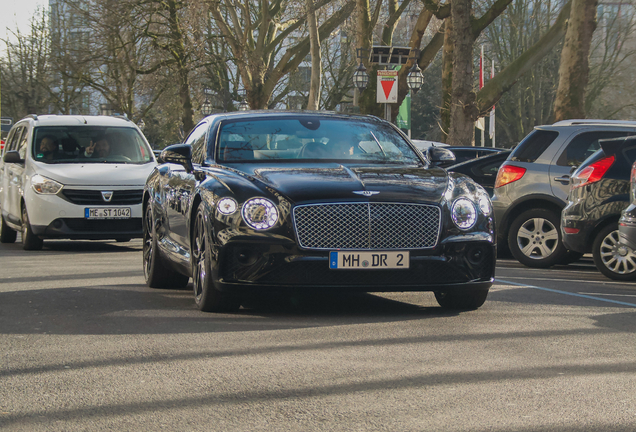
(7, 235)
(571, 257)
(29, 240)
(207, 297)
(469, 299)
(534, 238)
(157, 272)
(614, 260)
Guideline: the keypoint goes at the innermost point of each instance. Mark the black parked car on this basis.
(627, 227)
(599, 191)
(483, 169)
(270, 201)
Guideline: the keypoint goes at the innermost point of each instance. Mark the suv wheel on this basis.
(614, 260)
(535, 240)
(29, 240)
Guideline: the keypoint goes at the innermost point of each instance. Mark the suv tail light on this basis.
(508, 174)
(592, 173)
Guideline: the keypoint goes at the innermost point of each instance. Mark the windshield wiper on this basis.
(379, 145)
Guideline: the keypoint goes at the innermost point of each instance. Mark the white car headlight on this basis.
(464, 213)
(260, 213)
(227, 206)
(43, 185)
(484, 205)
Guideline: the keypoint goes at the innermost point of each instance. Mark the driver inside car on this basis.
(99, 147)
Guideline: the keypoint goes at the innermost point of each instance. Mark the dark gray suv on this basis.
(533, 183)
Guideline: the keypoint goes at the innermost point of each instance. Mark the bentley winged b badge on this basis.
(366, 193)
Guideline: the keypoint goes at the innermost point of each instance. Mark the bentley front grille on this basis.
(359, 226)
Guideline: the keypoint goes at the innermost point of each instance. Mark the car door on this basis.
(181, 185)
(13, 177)
(571, 155)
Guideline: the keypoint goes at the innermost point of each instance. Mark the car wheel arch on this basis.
(544, 202)
(601, 224)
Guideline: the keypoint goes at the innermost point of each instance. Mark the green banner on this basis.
(403, 120)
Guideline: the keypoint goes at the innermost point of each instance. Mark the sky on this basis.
(16, 14)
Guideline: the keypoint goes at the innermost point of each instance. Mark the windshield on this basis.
(312, 138)
(90, 144)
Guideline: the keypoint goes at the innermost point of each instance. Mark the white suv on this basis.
(73, 177)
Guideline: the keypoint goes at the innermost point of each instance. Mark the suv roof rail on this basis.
(121, 116)
(593, 121)
(33, 116)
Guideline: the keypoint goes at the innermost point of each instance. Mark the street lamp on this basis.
(206, 106)
(243, 105)
(415, 79)
(361, 77)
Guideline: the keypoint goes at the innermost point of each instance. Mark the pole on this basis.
(387, 112)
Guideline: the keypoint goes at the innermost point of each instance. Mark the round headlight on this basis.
(464, 213)
(260, 213)
(227, 206)
(46, 186)
(484, 205)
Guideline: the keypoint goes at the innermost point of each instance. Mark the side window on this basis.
(584, 145)
(22, 144)
(196, 139)
(14, 138)
(532, 146)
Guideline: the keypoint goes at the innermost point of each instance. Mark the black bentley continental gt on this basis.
(274, 201)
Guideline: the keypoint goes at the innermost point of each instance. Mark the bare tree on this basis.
(266, 41)
(24, 71)
(574, 68)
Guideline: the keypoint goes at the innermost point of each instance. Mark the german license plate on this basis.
(369, 260)
(107, 212)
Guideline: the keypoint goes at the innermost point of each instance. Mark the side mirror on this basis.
(439, 156)
(12, 156)
(178, 154)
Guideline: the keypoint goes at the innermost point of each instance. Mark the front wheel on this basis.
(468, 299)
(7, 235)
(207, 297)
(615, 260)
(534, 238)
(29, 240)
(156, 272)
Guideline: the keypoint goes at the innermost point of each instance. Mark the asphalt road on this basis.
(86, 346)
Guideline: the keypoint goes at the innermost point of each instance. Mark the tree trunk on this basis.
(447, 79)
(316, 63)
(574, 68)
(462, 110)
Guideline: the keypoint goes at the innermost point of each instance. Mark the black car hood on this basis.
(326, 182)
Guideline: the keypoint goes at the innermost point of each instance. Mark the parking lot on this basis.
(87, 346)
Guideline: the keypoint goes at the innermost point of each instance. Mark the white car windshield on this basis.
(309, 138)
(90, 144)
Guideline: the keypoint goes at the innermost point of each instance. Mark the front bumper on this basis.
(52, 216)
(450, 266)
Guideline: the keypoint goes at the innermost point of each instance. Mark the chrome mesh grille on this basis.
(367, 226)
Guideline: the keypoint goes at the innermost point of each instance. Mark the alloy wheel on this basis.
(199, 273)
(617, 258)
(148, 239)
(537, 238)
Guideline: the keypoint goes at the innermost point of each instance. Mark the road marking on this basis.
(568, 293)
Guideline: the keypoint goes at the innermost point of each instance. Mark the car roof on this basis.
(77, 120)
(584, 122)
(289, 113)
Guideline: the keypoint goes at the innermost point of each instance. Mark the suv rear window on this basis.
(533, 145)
(584, 145)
